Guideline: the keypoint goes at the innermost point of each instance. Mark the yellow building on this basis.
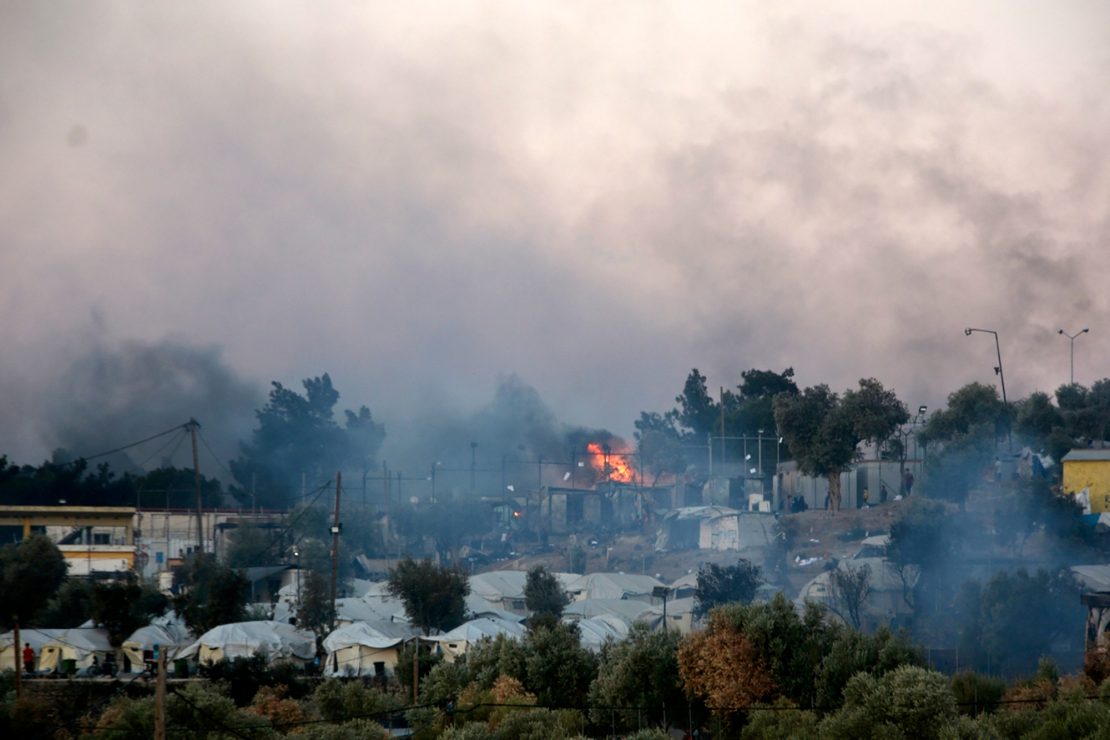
(93, 539)
(1087, 475)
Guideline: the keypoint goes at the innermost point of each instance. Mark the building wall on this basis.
(1093, 475)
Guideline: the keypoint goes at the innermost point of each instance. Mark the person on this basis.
(883, 493)
(909, 483)
(866, 498)
(28, 658)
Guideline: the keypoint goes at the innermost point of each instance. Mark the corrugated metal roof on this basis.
(1083, 455)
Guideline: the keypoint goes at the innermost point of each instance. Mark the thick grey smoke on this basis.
(421, 199)
(113, 396)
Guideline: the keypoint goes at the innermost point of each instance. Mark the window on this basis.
(102, 538)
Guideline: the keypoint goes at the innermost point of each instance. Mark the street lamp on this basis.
(1071, 342)
(998, 372)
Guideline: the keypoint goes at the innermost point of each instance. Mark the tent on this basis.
(79, 645)
(276, 640)
(594, 632)
(169, 637)
(365, 649)
(36, 638)
(614, 586)
(458, 641)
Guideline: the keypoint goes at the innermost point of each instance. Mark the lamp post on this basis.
(1001, 377)
(1071, 343)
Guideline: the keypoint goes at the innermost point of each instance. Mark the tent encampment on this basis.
(277, 641)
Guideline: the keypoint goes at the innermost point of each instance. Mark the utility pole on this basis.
(722, 404)
(160, 698)
(335, 528)
(473, 464)
(18, 654)
(192, 426)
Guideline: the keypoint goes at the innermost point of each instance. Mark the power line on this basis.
(133, 444)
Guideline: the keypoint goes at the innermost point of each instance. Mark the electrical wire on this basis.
(133, 444)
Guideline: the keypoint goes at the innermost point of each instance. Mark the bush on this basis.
(976, 694)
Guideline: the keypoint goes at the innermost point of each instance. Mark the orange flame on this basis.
(615, 466)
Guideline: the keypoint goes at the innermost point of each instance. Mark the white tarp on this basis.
(354, 649)
(614, 586)
(33, 636)
(170, 638)
(79, 645)
(458, 641)
(594, 632)
(276, 640)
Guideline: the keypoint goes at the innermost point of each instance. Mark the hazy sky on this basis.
(422, 198)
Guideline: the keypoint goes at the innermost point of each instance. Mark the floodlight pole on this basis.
(1001, 378)
(1071, 343)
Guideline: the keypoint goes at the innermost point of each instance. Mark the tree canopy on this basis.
(434, 596)
(31, 572)
(297, 438)
(718, 585)
(823, 430)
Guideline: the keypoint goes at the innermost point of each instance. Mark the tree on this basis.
(720, 666)
(1012, 620)
(639, 671)
(297, 436)
(31, 572)
(697, 412)
(850, 588)
(558, 670)
(209, 594)
(544, 595)
(789, 645)
(123, 606)
(722, 585)
(823, 430)
(434, 596)
(908, 701)
(314, 610)
(922, 542)
(659, 444)
(851, 652)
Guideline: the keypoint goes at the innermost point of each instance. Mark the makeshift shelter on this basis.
(170, 637)
(278, 641)
(79, 645)
(12, 656)
(628, 611)
(614, 586)
(458, 641)
(594, 632)
(501, 589)
(365, 649)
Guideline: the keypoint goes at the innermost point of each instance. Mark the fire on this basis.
(615, 466)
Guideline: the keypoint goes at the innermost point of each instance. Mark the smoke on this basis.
(112, 396)
(424, 199)
(515, 439)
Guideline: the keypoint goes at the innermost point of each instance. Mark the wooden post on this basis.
(18, 662)
(415, 668)
(160, 698)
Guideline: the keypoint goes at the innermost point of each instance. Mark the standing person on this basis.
(909, 483)
(28, 658)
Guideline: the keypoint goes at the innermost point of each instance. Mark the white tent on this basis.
(628, 611)
(79, 645)
(276, 640)
(458, 641)
(170, 637)
(365, 649)
(614, 586)
(33, 636)
(595, 631)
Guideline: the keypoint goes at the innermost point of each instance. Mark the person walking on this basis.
(28, 658)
